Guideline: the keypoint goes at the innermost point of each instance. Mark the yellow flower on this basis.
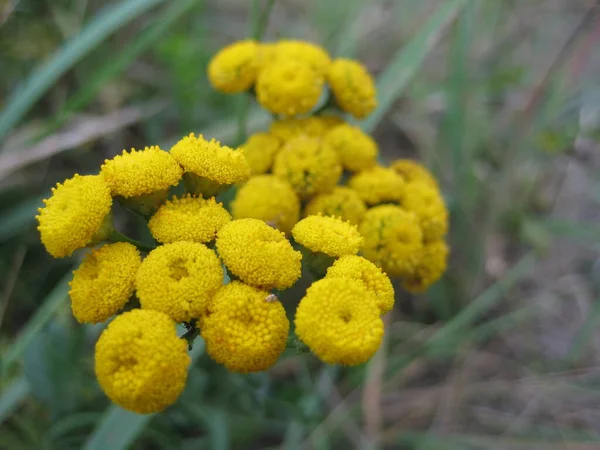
(258, 254)
(140, 362)
(369, 275)
(357, 151)
(329, 235)
(426, 202)
(260, 150)
(291, 127)
(103, 283)
(234, 68)
(219, 165)
(188, 218)
(141, 172)
(353, 87)
(430, 266)
(308, 53)
(342, 202)
(77, 214)
(393, 239)
(179, 279)
(245, 330)
(340, 322)
(288, 87)
(378, 185)
(307, 166)
(411, 171)
(267, 198)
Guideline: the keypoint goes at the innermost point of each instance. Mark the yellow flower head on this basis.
(357, 151)
(267, 198)
(428, 205)
(329, 235)
(291, 127)
(103, 283)
(245, 330)
(353, 87)
(369, 275)
(211, 160)
(74, 215)
(288, 87)
(141, 172)
(307, 166)
(258, 254)
(412, 171)
(260, 150)
(378, 185)
(393, 239)
(340, 322)
(234, 68)
(431, 265)
(140, 362)
(310, 54)
(342, 202)
(179, 279)
(188, 218)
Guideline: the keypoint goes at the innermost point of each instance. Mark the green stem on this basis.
(191, 334)
(115, 236)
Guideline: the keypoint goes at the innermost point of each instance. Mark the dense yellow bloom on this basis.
(340, 322)
(353, 87)
(258, 254)
(188, 218)
(141, 172)
(74, 215)
(426, 202)
(291, 127)
(357, 151)
(234, 68)
(367, 273)
(308, 53)
(103, 283)
(245, 330)
(430, 266)
(378, 185)
(329, 235)
(307, 166)
(140, 362)
(260, 150)
(411, 171)
(179, 279)
(393, 239)
(267, 198)
(341, 201)
(288, 87)
(211, 160)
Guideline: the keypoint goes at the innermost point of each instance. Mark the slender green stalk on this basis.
(115, 236)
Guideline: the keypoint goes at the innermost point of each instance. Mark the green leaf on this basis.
(577, 232)
(19, 218)
(102, 26)
(12, 396)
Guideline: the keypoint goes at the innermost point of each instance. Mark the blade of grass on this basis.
(19, 218)
(584, 335)
(103, 25)
(584, 234)
(12, 397)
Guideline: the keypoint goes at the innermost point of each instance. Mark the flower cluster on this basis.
(309, 192)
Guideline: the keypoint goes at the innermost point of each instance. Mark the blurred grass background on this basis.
(500, 98)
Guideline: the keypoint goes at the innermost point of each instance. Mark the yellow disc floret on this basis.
(341, 201)
(430, 266)
(245, 330)
(74, 215)
(291, 127)
(140, 362)
(267, 198)
(179, 279)
(353, 87)
(329, 235)
(234, 68)
(141, 172)
(357, 151)
(367, 273)
(188, 218)
(311, 54)
(103, 282)
(393, 239)
(288, 87)
(412, 171)
(258, 254)
(260, 150)
(428, 205)
(378, 185)
(307, 166)
(339, 321)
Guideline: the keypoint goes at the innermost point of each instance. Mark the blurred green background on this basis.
(501, 99)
